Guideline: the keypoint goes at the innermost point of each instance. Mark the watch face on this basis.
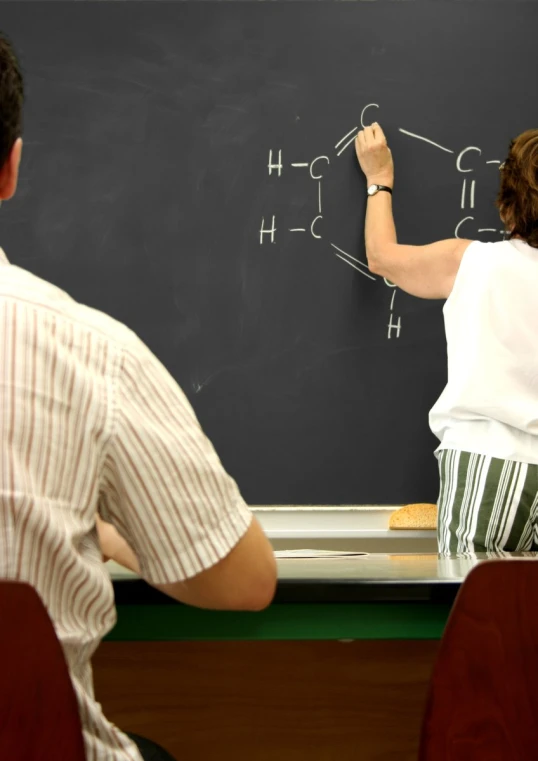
(372, 190)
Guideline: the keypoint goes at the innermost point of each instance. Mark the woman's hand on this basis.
(374, 156)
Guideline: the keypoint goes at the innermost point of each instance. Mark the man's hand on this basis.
(114, 547)
(374, 156)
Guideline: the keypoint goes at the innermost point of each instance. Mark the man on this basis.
(95, 434)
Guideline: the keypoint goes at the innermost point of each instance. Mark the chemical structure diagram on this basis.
(316, 170)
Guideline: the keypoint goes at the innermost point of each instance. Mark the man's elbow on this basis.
(259, 592)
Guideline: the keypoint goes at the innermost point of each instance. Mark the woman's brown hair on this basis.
(517, 200)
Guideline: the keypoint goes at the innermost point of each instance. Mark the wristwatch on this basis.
(373, 189)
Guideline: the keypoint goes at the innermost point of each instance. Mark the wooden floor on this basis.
(267, 701)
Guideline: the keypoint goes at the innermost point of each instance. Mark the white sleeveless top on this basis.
(490, 403)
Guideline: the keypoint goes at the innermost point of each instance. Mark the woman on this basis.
(487, 417)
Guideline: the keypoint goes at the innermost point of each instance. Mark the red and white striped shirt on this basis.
(92, 423)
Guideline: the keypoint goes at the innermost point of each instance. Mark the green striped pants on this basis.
(486, 504)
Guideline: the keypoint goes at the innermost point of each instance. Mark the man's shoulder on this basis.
(48, 299)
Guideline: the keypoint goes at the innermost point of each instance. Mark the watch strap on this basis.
(383, 187)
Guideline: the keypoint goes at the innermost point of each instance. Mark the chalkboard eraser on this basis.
(420, 516)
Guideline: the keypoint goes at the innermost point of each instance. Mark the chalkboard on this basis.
(170, 179)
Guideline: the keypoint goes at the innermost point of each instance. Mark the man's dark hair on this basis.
(11, 98)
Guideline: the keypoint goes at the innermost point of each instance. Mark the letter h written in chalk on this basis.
(270, 231)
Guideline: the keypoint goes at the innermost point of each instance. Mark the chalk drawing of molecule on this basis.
(316, 167)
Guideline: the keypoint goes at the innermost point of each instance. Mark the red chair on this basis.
(39, 719)
(483, 700)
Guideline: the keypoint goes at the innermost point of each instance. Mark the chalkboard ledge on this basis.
(332, 522)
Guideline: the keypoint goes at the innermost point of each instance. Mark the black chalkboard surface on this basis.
(170, 179)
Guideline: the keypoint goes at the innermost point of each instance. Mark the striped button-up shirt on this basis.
(91, 423)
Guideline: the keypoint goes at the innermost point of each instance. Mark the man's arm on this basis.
(114, 547)
(425, 271)
(181, 520)
(244, 580)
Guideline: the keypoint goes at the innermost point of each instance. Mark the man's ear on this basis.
(9, 174)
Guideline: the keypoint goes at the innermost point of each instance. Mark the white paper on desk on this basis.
(316, 554)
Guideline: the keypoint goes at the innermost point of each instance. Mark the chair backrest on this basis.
(483, 700)
(39, 719)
